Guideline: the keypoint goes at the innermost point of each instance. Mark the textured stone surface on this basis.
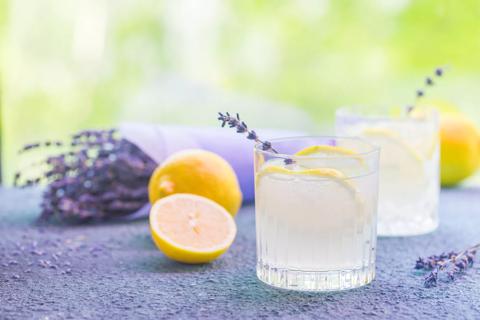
(113, 270)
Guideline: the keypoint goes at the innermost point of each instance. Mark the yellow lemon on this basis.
(460, 143)
(460, 148)
(191, 229)
(198, 172)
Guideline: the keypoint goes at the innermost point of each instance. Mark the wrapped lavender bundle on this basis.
(103, 174)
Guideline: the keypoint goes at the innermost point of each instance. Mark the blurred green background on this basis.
(73, 64)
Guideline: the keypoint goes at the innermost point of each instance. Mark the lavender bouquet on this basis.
(103, 174)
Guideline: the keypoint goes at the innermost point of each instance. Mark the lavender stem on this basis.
(429, 82)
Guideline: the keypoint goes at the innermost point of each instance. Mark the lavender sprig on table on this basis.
(429, 82)
(99, 176)
(450, 264)
(241, 127)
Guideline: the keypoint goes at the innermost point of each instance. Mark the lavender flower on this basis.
(429, 82)
(450, 264)
(431, 279)
(99, 176)
(241, 126)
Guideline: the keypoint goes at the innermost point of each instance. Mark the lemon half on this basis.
(191, 229)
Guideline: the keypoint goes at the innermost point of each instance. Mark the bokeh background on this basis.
(74, 64)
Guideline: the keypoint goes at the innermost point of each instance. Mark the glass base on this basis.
(406, 228)
(315, 280)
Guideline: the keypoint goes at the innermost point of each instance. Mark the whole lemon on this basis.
(197, 172)
(460, 148)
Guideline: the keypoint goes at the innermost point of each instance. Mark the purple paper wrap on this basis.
(160, 141)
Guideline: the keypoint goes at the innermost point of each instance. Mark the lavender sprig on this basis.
(241, 127)
(429, 82)
(450, 264)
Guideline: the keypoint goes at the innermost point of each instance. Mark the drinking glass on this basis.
(316, 213)
(409, 166)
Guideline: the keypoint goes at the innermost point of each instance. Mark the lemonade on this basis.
(316, 213)
(409, 168)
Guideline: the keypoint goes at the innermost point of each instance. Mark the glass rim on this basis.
(350, 111)
(372, 149)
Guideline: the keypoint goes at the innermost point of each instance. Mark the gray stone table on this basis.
(114, 271)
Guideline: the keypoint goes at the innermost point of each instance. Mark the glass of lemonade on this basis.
(409, 166)
(316, 204)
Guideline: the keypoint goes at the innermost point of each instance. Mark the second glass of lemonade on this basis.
(316, 205)
(409, 166)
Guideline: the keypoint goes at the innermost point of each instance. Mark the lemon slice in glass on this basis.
(325, 150)
(389, 141)
(298, 171)
(329, 187)
(336, 157)
(402, 173)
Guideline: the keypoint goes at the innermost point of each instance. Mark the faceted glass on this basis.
(409, 167)
(316, 213)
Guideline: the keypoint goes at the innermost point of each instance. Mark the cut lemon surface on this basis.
(190, 228)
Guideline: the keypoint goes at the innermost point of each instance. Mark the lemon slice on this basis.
(321, 172)
(340, 158)
(190, 228)
(430, 143)
(328, 186)
(326, 173)
(402, 172)
(389, 141)
(325, 150)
